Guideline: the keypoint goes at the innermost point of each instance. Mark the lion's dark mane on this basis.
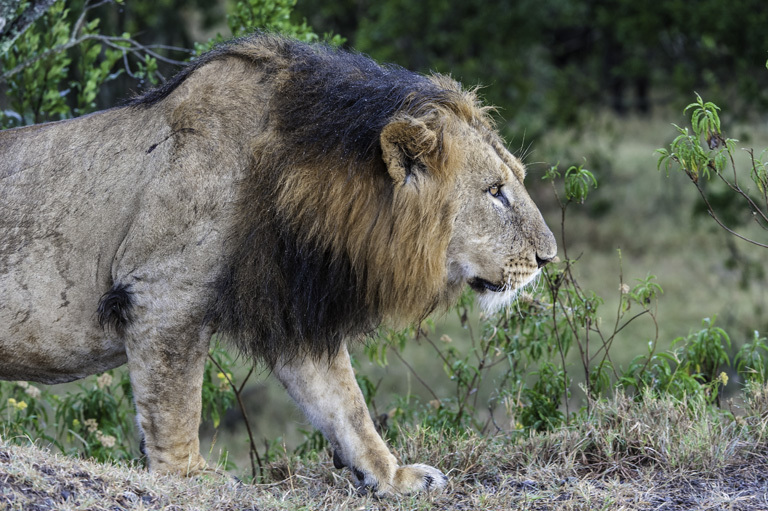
(282, 295)
(341, 101)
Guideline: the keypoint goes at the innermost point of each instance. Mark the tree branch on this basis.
(38, 7)
(711, 212)
(111, 41)
(14, 23)
(737, 189)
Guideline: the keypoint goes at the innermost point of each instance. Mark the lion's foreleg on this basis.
(167, 377)
(330, 397)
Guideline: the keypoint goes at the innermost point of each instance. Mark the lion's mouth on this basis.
(481, 285)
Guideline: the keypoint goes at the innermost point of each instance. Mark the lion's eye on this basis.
(498, 194)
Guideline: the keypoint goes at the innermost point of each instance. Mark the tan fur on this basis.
(193, 211)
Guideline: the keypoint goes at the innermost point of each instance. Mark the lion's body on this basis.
(289, 197)
(84, 204)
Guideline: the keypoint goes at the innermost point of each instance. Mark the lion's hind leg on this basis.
(330, 397)
(166, 361)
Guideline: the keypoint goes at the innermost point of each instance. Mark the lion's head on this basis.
(377, 194)
(495, 239)
(476, 221)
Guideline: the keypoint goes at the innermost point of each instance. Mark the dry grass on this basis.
(654, 454)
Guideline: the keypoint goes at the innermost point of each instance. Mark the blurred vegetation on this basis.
(545, 62)
(542, 63)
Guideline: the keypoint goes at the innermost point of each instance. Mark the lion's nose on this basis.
(543, 262)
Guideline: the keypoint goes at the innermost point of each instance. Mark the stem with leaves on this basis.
(707, 151)
(253, 452)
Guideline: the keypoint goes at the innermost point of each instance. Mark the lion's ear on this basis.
(406, 143)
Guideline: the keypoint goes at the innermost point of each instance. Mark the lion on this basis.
(287, 197)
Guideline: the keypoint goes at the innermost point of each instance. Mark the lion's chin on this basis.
(491, 301)
(494, 297)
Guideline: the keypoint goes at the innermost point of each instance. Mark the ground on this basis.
(37, 480)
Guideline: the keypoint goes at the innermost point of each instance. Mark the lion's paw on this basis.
(417, 478)
(405, 479)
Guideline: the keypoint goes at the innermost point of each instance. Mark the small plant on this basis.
(97, 420)
(752, 360)
(705, 152)
(694, 365)
(23, 411)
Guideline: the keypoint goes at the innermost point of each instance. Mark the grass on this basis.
(624, 454)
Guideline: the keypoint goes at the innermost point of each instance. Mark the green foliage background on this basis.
(540, 62)
(544, 62)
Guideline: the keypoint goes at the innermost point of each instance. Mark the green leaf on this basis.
(577, 181)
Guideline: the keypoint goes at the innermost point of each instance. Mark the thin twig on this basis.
(245, 380)
(711, 212)
(437, 349)
(415, 373)
(471, 387)
(81, 19)
(555, 290)
(252, 451)
(654, 343)
(111, 41)
(737, 189)
(763, 183)
(138, 47)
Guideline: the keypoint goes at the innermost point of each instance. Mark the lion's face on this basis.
(461, 199)
(500, 240)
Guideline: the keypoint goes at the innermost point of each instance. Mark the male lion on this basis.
(288, 197)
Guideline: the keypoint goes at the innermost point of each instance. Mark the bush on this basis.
(706, 155)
